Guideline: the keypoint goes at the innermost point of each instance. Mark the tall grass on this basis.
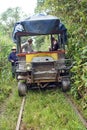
(5, 68)
(10, 110)
(49, 110)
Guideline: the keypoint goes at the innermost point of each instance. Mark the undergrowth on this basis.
(49, 110)
(9, 112)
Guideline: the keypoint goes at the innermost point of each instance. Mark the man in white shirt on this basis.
(27, 46)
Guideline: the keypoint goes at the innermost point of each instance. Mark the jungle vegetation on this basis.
(74, 15)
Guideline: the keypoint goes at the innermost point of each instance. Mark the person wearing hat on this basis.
(13, 59)
(27, 46)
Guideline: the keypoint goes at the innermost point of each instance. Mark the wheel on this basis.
(65, 84)
(22, 89)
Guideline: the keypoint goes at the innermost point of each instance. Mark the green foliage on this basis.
(5, 68)
(42, 110)
(49, 110)
(42, 43)
(4, 92)
(10, 110)
(46, 45)
(8, 19)
(39, 41)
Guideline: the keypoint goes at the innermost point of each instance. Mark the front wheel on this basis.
(65, 84)
(22, 89)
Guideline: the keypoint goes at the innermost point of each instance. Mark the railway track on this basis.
(20, 114)
(68, 98)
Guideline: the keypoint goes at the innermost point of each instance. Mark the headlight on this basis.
(28, 66)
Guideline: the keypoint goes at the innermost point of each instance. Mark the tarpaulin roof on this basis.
(39, 24)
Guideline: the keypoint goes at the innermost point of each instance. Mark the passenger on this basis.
(13, 59)
(55, 44)
(27, 46)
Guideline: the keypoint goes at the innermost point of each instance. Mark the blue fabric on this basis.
(12, 56)
(39, 24)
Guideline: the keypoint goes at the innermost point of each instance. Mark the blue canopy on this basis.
(39, 24)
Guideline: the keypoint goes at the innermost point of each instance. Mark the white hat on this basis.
(13, 48)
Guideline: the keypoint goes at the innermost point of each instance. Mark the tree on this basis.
(9, 17)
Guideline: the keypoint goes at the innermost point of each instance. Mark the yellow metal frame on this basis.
(30, 56)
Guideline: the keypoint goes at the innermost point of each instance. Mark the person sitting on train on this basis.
(55, 45)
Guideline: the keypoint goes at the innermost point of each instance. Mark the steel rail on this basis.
(20, 115)
(73, 105)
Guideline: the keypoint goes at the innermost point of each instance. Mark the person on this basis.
(13, 59)
(55, 44)
(27, 46)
